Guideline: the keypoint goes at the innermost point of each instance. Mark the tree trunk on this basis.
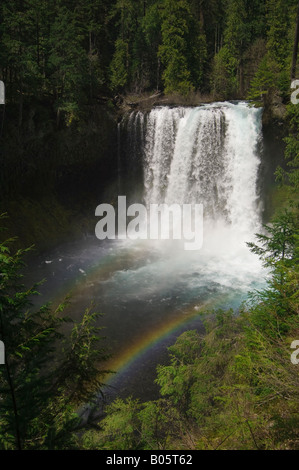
(21, 106)
(37, 44)
(201, 17)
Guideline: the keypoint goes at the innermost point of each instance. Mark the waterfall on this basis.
(206, 155)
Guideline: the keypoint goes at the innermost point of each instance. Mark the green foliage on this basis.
(67, 62)
(151, 36)
(49, 50)
(118, 67)
(40, 389)
(120, 432)
(278, 247)
(235, 386)
(72, 51)
(264, 81)
(224, 80)
(244, 25)
(292, 149)
(279, 16)
(176, 379)
(273, 75)
(173, 51)
(131, 425)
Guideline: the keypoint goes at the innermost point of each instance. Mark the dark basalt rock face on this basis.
(53, 177)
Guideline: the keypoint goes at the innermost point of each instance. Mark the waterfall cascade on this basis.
(206, 155)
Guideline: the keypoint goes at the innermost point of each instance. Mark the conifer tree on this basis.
(47, 375)
(173, 51)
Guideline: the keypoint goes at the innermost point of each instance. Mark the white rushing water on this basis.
(207, 155)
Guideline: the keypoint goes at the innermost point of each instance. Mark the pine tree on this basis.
(176, 18)
(68, 64)
(40, 391)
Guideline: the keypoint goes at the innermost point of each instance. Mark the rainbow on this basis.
(120, 363)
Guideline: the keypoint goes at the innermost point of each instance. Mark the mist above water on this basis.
(207, 155)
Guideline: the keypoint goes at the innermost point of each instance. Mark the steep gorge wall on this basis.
(52, 178)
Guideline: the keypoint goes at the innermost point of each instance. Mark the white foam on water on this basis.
(203, 155)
